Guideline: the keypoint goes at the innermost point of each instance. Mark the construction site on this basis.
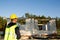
(34, 31)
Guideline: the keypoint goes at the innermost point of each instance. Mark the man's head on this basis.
(13, 18)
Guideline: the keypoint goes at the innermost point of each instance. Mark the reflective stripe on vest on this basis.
(10, 33)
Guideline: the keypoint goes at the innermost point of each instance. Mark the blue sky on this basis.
(37, 7)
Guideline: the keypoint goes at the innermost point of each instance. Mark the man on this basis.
(12, 29)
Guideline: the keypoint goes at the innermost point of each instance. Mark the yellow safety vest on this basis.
(10, 33)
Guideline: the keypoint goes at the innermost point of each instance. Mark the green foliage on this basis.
(43, 17)
(21, 21)
(3, 23)
(58, 31)
(49, 17)
(58, 22)
(27, 15)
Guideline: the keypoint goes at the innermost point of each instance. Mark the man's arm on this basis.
(17, 32)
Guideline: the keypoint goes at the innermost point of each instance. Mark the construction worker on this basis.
(12, 29)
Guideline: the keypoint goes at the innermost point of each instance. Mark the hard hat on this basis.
(13, 16)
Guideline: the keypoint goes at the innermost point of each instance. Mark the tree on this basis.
(21, 21)
(43, 17)
(3, 23)
(49, 17)
(27, 15)
(58, 22)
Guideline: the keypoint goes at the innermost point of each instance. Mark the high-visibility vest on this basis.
(10, 33)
